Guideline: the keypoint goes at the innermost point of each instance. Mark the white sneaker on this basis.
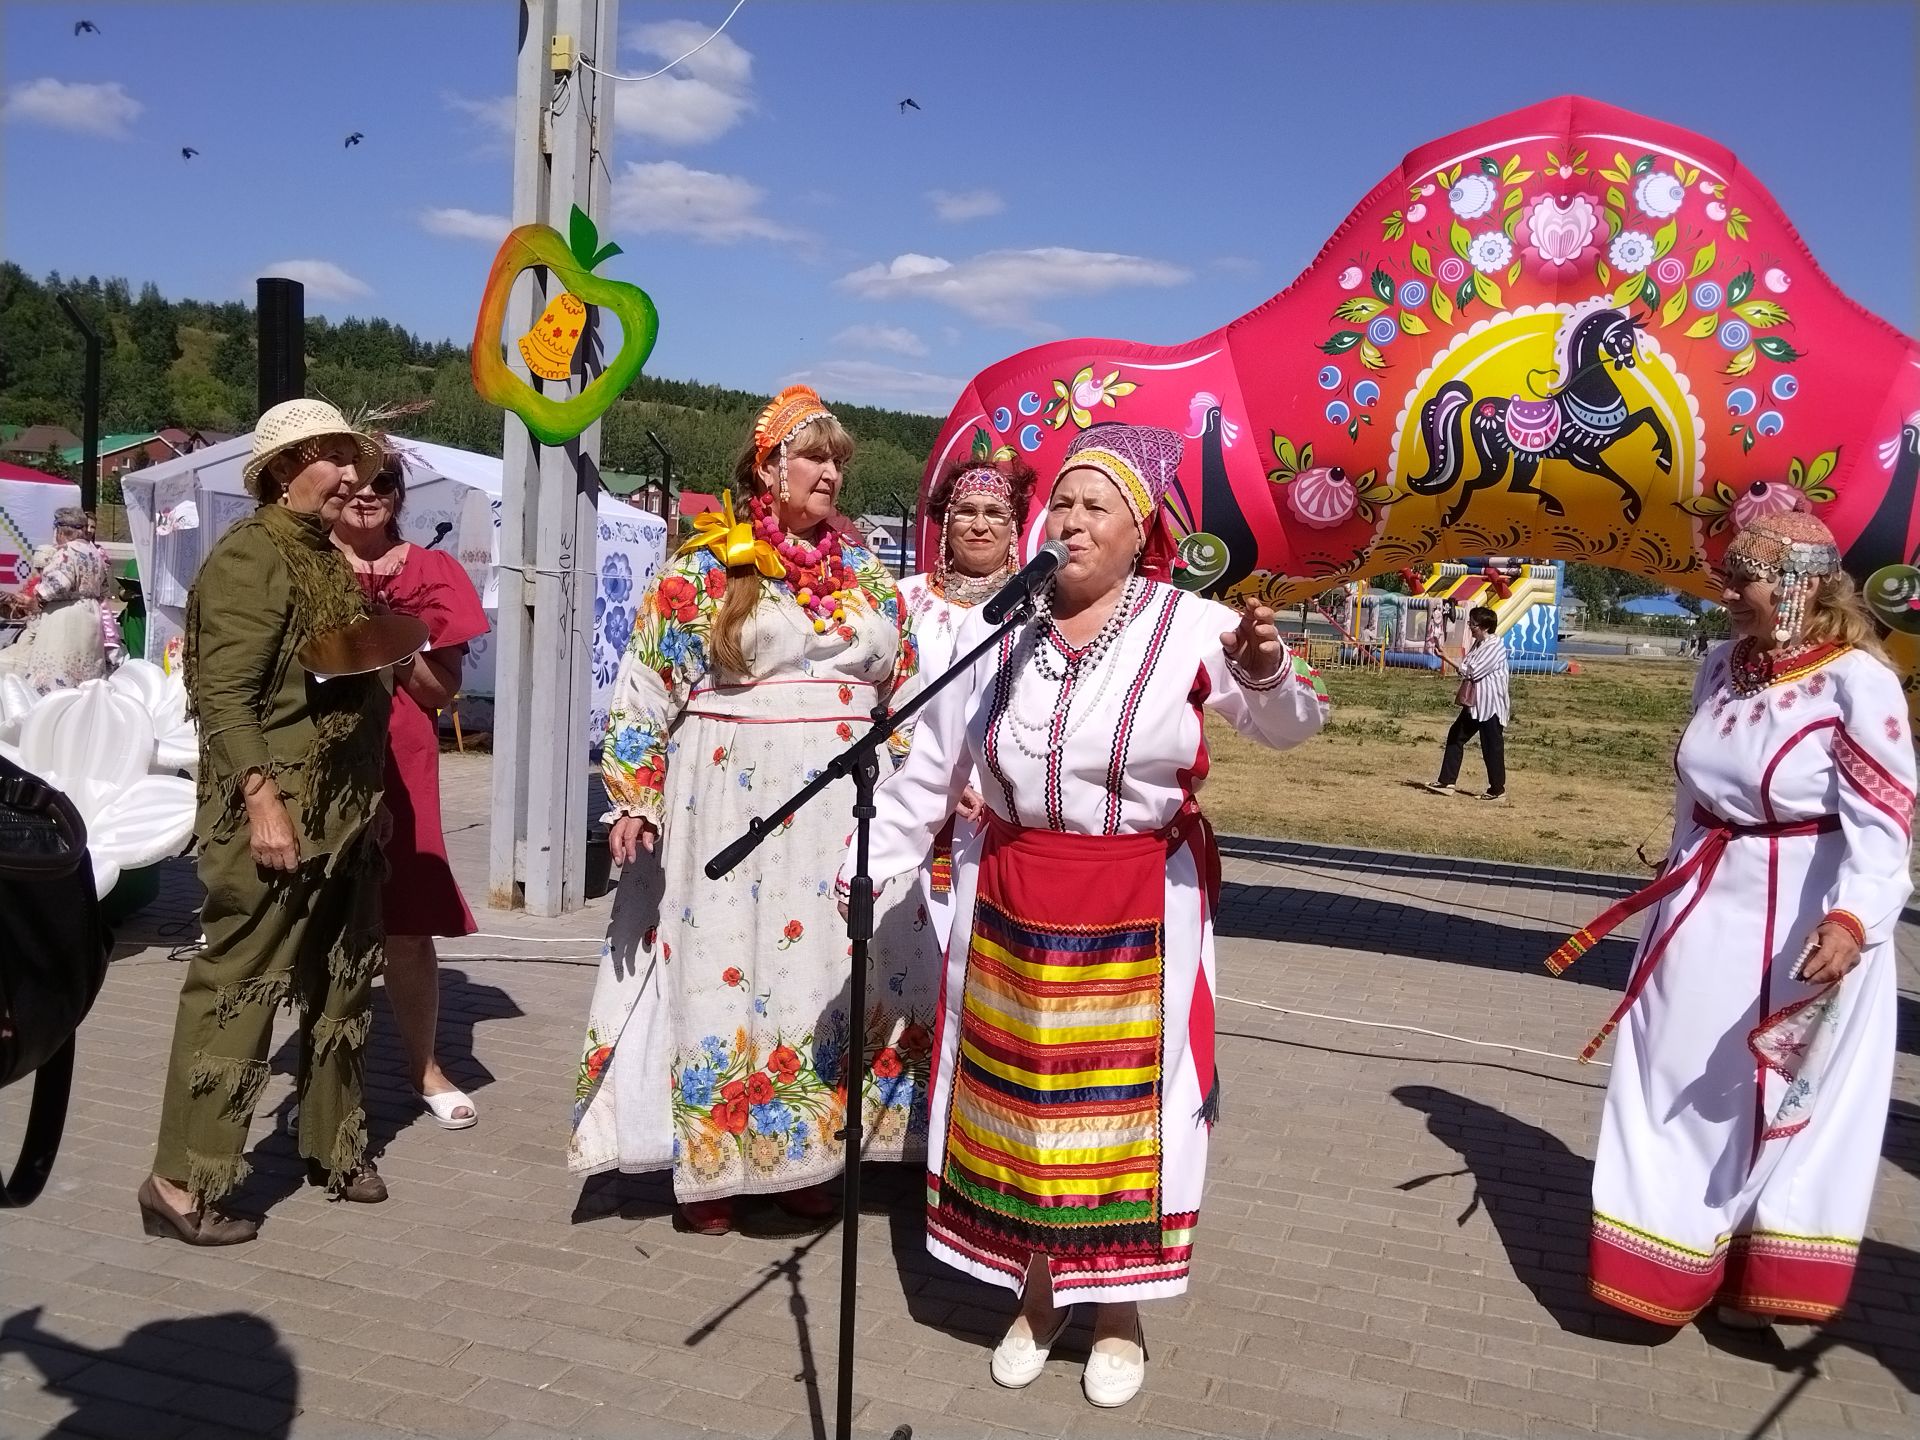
(1435, 787)
(1112, 1379)
(1019, 1359)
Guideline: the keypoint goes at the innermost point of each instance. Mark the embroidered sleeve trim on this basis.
(1850, 923)
(1873, 783)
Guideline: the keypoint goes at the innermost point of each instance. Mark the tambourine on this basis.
(364, 646)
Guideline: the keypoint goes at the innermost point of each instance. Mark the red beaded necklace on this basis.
(1753, 670)
(821, 580)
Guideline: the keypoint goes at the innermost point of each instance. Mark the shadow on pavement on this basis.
(1417, 930)
(1537, 1192)
(391, 1105)
(229, 1371)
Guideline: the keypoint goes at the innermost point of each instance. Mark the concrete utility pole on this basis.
(563, 133)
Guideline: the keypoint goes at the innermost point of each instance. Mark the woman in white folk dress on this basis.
(979, 507)
(1754, 1060)
(718, 1039)
(1075, 1079)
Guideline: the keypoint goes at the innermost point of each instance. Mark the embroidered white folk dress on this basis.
(935, 624)
(718, 1033)
(1718, 1175)
(1075, 1042)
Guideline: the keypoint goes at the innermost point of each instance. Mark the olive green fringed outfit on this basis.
(309, 939)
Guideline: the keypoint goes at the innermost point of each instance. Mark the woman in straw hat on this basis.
(718, 1042)
(290, 775)
(1076, 1083)
(1748, 1094)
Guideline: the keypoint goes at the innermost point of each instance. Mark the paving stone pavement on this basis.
(1392, 1244)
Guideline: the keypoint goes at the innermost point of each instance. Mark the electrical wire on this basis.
(1413, 1030)
(587, 64)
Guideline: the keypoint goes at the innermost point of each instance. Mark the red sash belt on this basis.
(1702, 863)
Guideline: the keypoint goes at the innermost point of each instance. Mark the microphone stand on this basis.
(861, 761)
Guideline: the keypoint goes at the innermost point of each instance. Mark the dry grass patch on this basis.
(1589, 769)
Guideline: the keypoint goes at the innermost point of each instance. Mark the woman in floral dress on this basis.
(717, 1042)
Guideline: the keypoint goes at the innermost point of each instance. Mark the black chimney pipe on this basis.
(90, 412)
(281, 317)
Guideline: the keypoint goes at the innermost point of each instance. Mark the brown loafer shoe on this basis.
(362, 1185)
(205, 1226)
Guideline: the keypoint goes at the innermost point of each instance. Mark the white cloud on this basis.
(103, 109)
(1001, 286)
(698, 100)
(465, 224)
(965, 204)
(326, 280)
(719, 59)
(893, 339)
(664, 197)
(493, 114)
(866, 382)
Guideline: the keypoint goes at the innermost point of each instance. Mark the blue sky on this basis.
(1196, 156)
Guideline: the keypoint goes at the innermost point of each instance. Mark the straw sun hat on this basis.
(292, 423)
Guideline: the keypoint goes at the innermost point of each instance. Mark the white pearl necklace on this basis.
(1057, 669)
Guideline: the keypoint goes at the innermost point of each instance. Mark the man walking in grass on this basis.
(1485, 708)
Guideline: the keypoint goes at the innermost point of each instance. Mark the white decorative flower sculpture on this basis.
(97, 744)
(16, 698)
(176, 738)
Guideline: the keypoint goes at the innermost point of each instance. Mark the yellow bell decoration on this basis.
(548, 347)
(733, 542)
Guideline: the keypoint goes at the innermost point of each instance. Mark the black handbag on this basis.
(53, 961)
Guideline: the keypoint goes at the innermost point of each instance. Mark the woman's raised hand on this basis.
(1254, 644)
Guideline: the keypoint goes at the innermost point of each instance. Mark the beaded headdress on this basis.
(1792, 549)
(985, 482)
(1141, 461)
(786, 415)
(980, 480)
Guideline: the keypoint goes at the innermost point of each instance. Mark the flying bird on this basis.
(85, 27)
(187, 152)
(354, 139)
(908, 102)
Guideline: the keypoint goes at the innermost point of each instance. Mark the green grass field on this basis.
(1589, 769)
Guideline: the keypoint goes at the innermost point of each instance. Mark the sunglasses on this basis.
(384, 486)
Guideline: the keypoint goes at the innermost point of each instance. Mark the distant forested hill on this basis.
(191, 363)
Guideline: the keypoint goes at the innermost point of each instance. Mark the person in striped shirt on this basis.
(1486, 707)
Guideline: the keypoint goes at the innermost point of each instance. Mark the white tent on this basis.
(178, 508)
(26, 523)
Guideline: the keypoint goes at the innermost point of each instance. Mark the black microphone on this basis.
(440, 532)
(1027, 579)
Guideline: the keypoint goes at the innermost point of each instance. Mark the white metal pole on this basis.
(566, 571)
(514, 621)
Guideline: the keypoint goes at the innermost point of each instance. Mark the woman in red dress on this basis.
(421, 898)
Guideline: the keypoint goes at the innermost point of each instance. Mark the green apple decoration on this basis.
(572, 260)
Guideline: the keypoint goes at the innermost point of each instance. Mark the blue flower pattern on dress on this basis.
(760, 1100)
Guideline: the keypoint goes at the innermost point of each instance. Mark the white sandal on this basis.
(442, 1106)
(1019, 1359)
(1110, 1380)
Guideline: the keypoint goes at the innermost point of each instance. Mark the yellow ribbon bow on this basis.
(733, 541)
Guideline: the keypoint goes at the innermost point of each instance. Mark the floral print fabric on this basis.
(719, 1040)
